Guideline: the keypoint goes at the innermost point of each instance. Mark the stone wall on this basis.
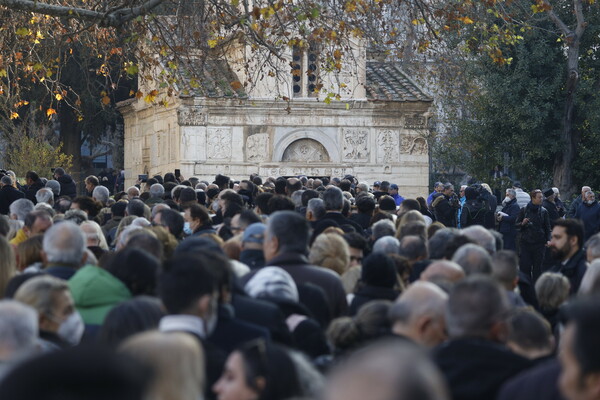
(204, 137)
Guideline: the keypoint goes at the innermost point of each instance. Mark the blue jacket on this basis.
(590, 216)
(507, 224)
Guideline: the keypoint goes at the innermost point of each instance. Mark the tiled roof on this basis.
(214, 79)
(387, 82)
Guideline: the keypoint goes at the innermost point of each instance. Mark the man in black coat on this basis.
(286, 245)
(475, 360)
(534, 222)
(67, 184)
(507, 218)
(334, 203)
(8, 194)
(445, 206)
(34, 183)
(566, 246)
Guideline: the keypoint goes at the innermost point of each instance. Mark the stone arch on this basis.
(305, 150)
(325, 140)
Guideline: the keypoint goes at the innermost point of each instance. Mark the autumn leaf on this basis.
(22, 31)
(212, 43)
(139, 94)
(106, 100)
(150, 97)
(236, 85)
(50, 112)
(14, 115)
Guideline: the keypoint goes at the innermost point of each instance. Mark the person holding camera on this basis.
(534, 222)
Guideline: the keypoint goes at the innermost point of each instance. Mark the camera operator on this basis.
(534, 222)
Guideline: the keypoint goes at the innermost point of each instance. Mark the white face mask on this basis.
(71, 329)
(187, 229)
(506, 199)
(210, 323)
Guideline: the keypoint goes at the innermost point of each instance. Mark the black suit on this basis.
(262, 313)
(8, 195)
(475, 369)
(540, 382)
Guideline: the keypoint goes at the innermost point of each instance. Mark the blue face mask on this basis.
(187, 229)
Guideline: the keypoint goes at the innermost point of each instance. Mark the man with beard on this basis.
(566, 246)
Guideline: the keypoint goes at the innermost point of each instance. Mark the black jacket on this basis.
(552, 211)
(475, 369)
(507, 224)
(473, 213)
(67, 186)
(341, 220)
(444, 211)
(32, 190)
(540, 382)
(574, 270)
(538, 230)
(8, 195)
(367, 293)
(231, 332)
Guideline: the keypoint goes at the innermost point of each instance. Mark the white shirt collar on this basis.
(182, 323)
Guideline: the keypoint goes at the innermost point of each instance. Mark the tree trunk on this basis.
(563, 172)
(70, 136)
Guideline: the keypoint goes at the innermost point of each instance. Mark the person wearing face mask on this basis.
(59, 322)
(506, 220)
(589, 213)
(188, 291)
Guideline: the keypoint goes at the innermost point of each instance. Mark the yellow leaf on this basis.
(212, 43)
(58, 96)
(106, 100)
(150, 97)
(14, 115)
(50, 112)
(3, 73)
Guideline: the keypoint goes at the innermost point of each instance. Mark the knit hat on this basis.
(548, 193)
(379, 270)
(272, 283)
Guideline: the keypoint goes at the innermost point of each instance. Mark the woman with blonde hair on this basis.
(7, 264)
(330, 251)
(177, 360)
(30, 252)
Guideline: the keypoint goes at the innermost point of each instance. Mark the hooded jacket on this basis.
(95, 292)
(67, 186)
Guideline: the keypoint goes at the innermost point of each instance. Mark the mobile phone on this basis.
(143, 177)
(177, 173)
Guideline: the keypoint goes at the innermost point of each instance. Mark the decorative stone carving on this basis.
(388, 146)
(305, 150)
(257, 147)
(415, 122)
(414, 145)
(355, 143)
(191, 116)
(218, 143)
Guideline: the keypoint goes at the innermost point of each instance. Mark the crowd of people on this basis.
(295, 288)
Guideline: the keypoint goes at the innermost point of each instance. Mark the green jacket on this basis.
(95, 292)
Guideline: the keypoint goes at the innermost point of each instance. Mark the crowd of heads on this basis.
(291, 288)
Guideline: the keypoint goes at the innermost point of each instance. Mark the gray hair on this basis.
(505, 268)
(101, 194)
(39, 293)
(387, 245)
(21, 208)
(76, 216)
(593, 246)
(157, 207)
(401, 370)
(364, 187)
(590, 284)
(474, 306)
(18, 329)
(552, 289)
(45, 195)
(333, 199)
(473, 259)
(421, 298)
(157, 190)
(481, 236)
(64, 243)
(317, 207)
(297, 198)
(133, 191)
(7, 180)
(448, 185)
(413, 247)
(382, 228)
(54, 186)
(511, 192)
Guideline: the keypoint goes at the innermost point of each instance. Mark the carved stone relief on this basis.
(257, 147)
(415, 122)
(414, 145)
(305, 150)
(388, 146)
(218, 143)
(355, 143)
(191, 116)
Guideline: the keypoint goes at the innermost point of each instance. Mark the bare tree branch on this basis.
(114, 18)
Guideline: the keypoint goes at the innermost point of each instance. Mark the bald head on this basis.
(444, 270)
(419, 314)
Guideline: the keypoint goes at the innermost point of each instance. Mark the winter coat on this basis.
(589, 214)
(538, 230)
